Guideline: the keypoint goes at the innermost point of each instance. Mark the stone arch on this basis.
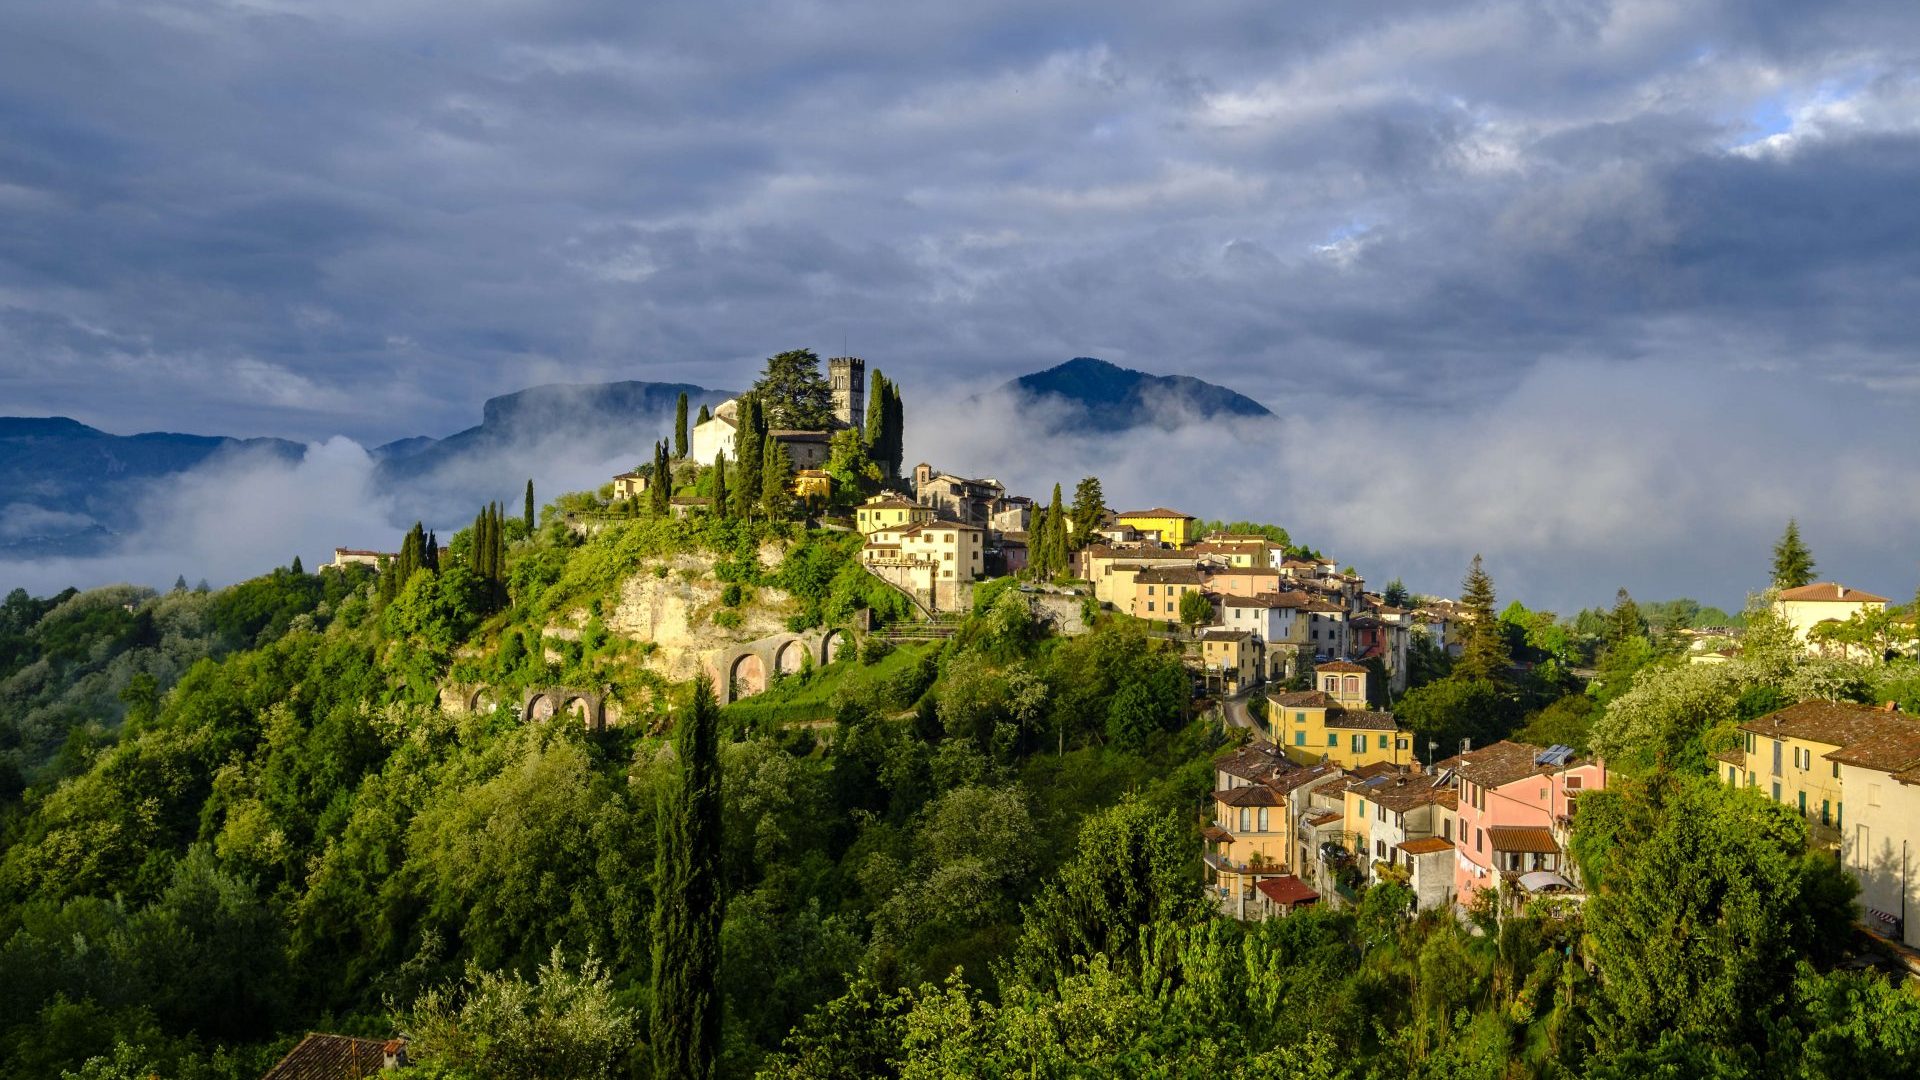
(479, 701)
(834, 645)
(541, 707)
(580, 711)
(788, 658)
(747, 675)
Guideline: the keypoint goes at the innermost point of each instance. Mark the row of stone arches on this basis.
(745, 670)
(583, 707)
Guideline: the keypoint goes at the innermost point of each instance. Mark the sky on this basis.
(1606, 291)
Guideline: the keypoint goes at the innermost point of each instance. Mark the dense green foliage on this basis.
(1792, 562)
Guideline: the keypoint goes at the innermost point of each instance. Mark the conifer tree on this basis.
(389, 572)
(1056, 535)
(1624, 621)
(1792, 562)
(776, 482)
(704, 415)
(527, 513)
(680, 429)
(896, 429)
(721, 508)
(1396, 594)
(747, 452)
(793, 394)
(662, 486)
(1089, 506)
(688, 900)
(180, 583)
(1485, 654)
(296, 568)
(876, 415)
(430, 552)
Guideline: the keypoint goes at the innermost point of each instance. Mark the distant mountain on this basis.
(66, 488)
(1089, 392)
(69, 489)
(583, 421)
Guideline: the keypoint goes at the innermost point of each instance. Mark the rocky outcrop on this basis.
(673, 605)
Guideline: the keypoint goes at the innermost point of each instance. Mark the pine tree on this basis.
(776, 482)
(1089, 506)
(180, 583)
(1624, 621)
(661, 488)
(1792, 562)
(747, 451)
(793, 394)
(680, 429)
(1396, 594)
(527, 513)
(1485, 654)
(688, 900)
(296, 568)
(721, 508)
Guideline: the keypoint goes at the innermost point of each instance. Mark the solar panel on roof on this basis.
(1555, 755)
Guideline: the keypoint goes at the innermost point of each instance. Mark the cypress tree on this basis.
(661, 488)
(1056, 538)
(719, 504)
(680, 429)
(876, 414)
(776, 482)
(1792, 562)
(1485, 655)
(704, 416)
(430, 552)
(296, 568)
(747, 452)
(388, 573)
(527, 513)
(688, 900)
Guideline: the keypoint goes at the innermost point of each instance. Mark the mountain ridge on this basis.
(1094, 392)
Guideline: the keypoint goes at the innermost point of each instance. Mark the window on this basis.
(1776, 791)
(1333, 738)
(1380, 812)
(1478, 836)
(1573, 783)
(1263, 819)
(1803, 801)
(1149, 605)
(1299, 738)
(1333, 685)
(1839, 813)
(1299, 718)
(1352, 685)
(1380, 849)
(1446, 828)
(1246, 819)
(1359, 744)
(1826, 812)
(1836, 770)
(1383, 742)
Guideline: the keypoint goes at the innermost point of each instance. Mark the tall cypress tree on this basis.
(680, 429)
(527, 513)
(1792, 562)
(747, 451)
(430, 552)
(661, 488)
(896, 430)
(1057, 533)
(720, 506)
(704, 416)
(296, 567)
(876, 414)
(1485, 653)
(776, 482)
(688, 900)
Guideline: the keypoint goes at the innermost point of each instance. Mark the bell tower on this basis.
(848, 376)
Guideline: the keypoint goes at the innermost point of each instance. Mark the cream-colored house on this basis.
(888, 511)
(1797, 756)
(1808, 606)
(631, 485)
(936, 561)
(1880, 844)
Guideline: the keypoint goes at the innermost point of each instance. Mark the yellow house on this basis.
(813, 485)
(1313, 727)
(1258, 794)
(1232, 657)
(1157, 591)
(630, 485)
(889, 512)
(1808, 606)
(1344, 681)
(1174, 528)
(1788, 756)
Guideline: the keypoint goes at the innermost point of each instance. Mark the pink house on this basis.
(1516, 802)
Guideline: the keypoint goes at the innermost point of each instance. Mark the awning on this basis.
(1216, 834)
(1523, 838)
(1544, 880)
(1287, 890)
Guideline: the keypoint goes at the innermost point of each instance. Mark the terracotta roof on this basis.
(1888, 751)
(1430, 846)
(1286, 890)
(889, 504)
(1735, 756)
(1216, 834)
(1302, 699)
(1156, 512)
(1835, 723)
(1401, 794)
(1523, 838)
(1286, 782)
(791, 435)
(1341, 666)
(1503, 763)
(1376, 768)
(1242, 571)
(1255, 761)
(1322, 817)
(939, 524)
(1170, 575)
(1268, 600)
(1362, 719)
(1226, 635)
(1251, 795)
(333, 1057)
(1831, 592)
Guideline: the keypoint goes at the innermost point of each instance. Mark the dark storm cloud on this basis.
(260, 216)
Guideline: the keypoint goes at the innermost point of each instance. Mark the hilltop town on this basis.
(969, 754)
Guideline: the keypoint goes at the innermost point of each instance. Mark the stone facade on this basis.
(848, 377)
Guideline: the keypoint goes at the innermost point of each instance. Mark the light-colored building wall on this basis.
(1174, 528)
(1880, 846)
(1537, 800)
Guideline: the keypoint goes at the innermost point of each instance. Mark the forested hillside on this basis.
(233, 817)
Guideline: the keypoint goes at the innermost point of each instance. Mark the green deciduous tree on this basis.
(1396, 595)
(794, 393)
(1195, 609)
(1792, 562)
(1089, 506)
(565, 1025)
(685, 1031)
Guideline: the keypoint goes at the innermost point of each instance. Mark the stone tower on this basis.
(848, 374)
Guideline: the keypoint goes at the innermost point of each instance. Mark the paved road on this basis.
(1238, 715)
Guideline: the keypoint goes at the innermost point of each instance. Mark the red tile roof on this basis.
(1341, 666)
(1831, 592)
(1286, 890)
(1503, 763)
(1835, 723)
(1429, 846)
(333, 1057)
(1522, 838)
(1156, 512)
(1251, 795)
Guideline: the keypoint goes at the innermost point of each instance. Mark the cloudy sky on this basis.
(1607, 290)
